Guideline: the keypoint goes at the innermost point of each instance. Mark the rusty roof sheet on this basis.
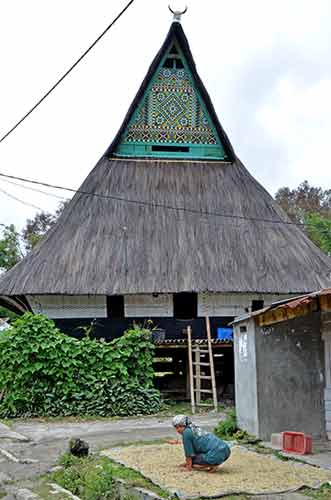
(290, 304)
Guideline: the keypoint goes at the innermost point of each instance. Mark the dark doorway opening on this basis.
(257, 304)
(185, 305)
(115, 306)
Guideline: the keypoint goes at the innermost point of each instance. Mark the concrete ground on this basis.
(321, 456)
(30, 448)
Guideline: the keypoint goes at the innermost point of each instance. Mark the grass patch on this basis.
(93, 477)
(6, 421)
(170, 408)
(89, 478)
(284, 458)
(323, 493)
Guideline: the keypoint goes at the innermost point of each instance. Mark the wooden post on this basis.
(190, 362)
(211, 359)
(197, 374)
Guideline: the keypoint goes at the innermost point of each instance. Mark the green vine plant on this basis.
(44, 372)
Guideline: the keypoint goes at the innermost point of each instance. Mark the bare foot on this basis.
(212, 469)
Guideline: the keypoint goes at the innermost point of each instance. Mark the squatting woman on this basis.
(203, 450)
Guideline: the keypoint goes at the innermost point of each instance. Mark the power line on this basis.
(143, 203)
(67, 72)
(29, 188)
(21, 201)
(202, 213)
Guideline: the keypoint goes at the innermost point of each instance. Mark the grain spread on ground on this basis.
(244, 471)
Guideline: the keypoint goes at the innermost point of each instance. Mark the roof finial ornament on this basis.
(177, 14)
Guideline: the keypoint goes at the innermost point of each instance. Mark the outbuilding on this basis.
(283, 367)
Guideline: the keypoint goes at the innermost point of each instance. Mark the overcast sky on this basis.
(266, 65)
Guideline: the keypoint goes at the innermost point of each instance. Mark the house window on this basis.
(115, 306)
(257, 304)
(185, 305)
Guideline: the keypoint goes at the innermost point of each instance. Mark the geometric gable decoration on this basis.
(171, 118)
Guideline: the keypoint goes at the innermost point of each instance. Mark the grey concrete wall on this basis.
(245, 377)
(290, 374)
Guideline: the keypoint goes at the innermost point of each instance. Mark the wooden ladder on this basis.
(196, 377)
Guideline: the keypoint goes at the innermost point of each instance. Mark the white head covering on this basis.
(185, 421)
(181, 420)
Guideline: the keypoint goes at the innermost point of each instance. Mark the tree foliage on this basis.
(304, 200)
(45, 372)
(10, 252)
(319, 230)
(36, 228)
(310, 206)
(14, 245)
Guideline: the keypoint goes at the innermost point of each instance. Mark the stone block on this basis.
(127, 491)
(277, 441)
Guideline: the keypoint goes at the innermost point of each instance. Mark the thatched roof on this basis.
(161, 250)
(102, 245)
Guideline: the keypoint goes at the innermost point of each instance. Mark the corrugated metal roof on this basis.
(289, 304)
(183, 342)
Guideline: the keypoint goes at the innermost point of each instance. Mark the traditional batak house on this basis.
(169, 225)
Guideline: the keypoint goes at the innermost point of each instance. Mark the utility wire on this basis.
(137, 202)
(202, 213)
(67, 72)
(21, 201)
(30, 188)
(325, 231)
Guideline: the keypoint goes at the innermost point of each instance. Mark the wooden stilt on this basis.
(190, 362)
(197, 376)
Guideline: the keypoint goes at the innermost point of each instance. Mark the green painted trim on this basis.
(197, 151)
(156, 149)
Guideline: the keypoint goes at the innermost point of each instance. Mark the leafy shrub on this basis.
(45, 372)
(132, 399)
(228, 427)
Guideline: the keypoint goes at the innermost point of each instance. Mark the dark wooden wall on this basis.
(112, 328)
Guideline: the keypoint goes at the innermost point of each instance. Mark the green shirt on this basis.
(212, 449)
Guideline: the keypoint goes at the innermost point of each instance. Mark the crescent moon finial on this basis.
(177, 14)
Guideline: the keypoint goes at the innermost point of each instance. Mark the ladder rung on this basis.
(204, 404)
(205, 377)
(200, 351)
(204, 390)
(201, 364)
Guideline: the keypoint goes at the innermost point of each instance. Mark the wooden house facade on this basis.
(169, 225)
